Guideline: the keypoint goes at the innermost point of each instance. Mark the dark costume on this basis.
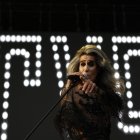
(83, 117)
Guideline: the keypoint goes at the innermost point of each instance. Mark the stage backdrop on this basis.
(32, 72)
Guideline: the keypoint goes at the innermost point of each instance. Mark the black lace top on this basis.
(83, 117)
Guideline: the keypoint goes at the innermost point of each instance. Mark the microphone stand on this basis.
(47, 114)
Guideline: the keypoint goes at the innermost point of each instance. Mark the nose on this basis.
(86, 68)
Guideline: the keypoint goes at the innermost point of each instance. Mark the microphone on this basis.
(76, 78)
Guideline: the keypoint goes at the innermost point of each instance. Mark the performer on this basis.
(86, 110)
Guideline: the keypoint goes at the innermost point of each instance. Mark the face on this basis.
(88, 65)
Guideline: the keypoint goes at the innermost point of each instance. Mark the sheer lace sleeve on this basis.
(82, 117)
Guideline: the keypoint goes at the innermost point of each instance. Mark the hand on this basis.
(75, 74)
(89, 87)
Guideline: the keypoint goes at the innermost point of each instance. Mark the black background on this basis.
(27, 105)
